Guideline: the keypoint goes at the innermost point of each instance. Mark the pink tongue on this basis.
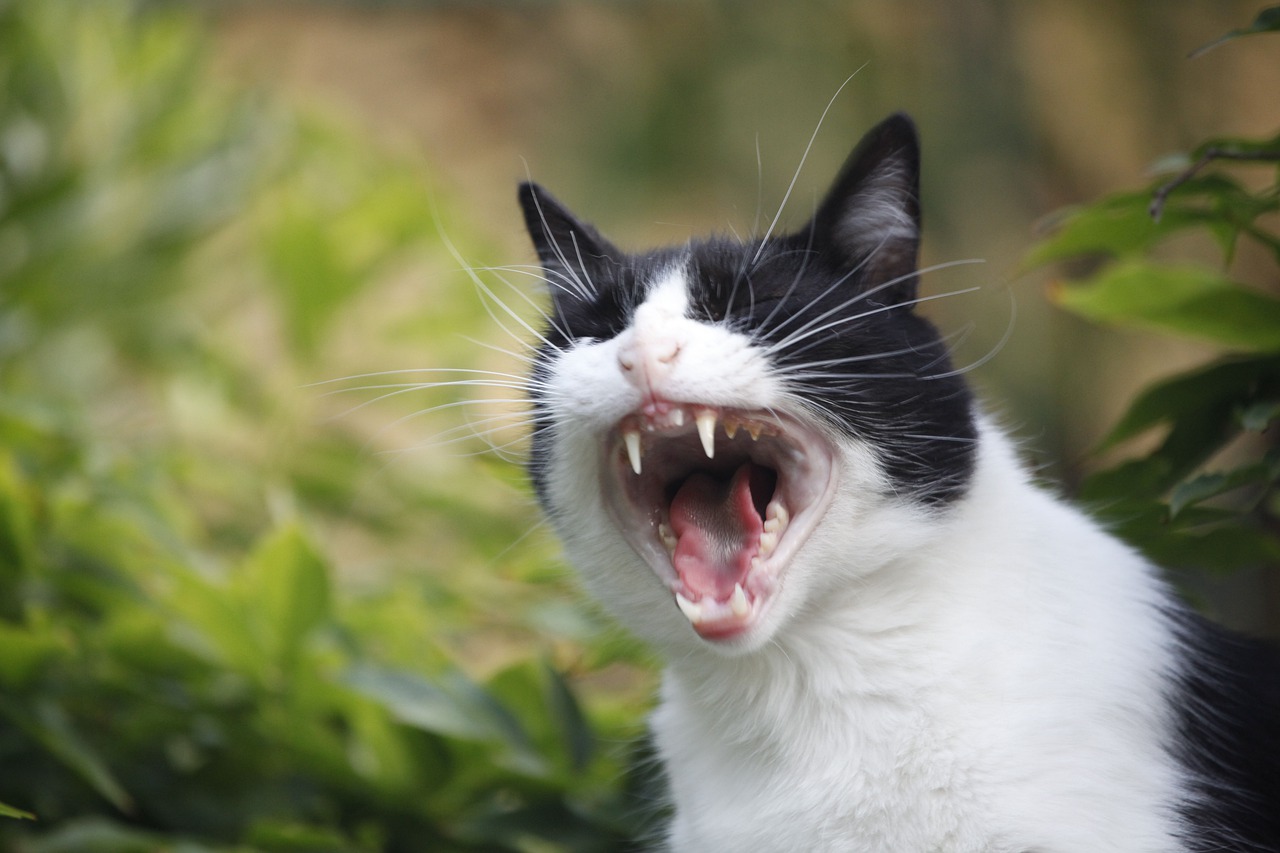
(717, 532)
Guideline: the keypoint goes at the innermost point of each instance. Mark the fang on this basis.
(632, 439)
(707, 431)
(692, 611)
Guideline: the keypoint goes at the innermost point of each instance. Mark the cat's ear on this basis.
(574, 256)
(870, 217)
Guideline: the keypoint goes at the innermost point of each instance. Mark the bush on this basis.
(1204, 498)
(181, 664)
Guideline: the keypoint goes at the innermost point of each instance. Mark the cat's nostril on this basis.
(668, 354)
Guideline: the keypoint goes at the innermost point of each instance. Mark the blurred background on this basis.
(658, 121)
(224, 229)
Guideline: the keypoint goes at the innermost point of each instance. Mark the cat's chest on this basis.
(886, 775)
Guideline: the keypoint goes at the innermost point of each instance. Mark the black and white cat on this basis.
(880, 635)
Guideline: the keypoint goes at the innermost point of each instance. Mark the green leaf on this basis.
(1258, 416)
(578, 738)
(98, 835)
(1211, 485)
(1190, 301)
(17, 535)
(455, 706)
(24, 654)
(1268, 21)
(18, 814)
(54, 730)
(1233, 384)
(288, 590)
(1116, 226)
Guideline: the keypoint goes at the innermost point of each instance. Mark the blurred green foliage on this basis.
(218, 626)
(1204, 494)
(182, 664)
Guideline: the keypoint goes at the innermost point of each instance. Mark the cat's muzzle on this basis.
(718, 501)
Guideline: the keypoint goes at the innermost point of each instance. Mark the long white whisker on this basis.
(791, 340)
(804, 265)
(992, 352)
(796, 335)
(407, 370)
(803, 158)
(519, 356)
(580, 286)
(436, 408)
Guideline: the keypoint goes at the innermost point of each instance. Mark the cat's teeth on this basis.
(754, 429)
(731, 427)
(776, 517)
(707, 431)
(676, 417)
(768, 541)
(668, 537)
(631, 438)
(691, 610)
(738, 601)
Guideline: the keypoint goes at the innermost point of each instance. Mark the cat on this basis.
(879, 633)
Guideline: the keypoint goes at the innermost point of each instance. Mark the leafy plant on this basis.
(184, 662)
(1205, 497)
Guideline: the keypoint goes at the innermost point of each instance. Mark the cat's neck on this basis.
(1006, 559)
(1018, 627)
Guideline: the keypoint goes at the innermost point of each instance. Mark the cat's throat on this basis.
(717, 524)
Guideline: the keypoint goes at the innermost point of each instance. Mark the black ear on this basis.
(870, 218)
(573, 254)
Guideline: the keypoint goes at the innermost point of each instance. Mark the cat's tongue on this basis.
(717, 531)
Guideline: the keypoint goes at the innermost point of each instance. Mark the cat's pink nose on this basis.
(647, 361)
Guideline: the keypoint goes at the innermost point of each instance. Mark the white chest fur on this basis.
(998, 687)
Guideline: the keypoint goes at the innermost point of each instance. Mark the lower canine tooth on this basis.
(632, 439)
(691, 610)
(738, 602)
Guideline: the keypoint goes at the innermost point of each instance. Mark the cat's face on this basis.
(727, 433)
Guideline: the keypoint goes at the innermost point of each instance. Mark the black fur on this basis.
(881, 372)
(1226, 702)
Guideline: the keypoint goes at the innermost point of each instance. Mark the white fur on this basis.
(984, 678)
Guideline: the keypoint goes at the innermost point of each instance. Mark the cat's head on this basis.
(726, 432)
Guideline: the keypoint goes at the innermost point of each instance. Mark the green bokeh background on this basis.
(259, 590)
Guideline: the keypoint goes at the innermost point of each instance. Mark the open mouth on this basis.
(717, 501)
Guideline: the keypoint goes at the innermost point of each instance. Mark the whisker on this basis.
(786, 196)
(796, 338)
(865, 294)
(402, 371)
(992, 352)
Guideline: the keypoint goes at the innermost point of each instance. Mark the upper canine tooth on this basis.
(707, 431)
(631, 438)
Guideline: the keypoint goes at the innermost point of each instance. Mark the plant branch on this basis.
(1161, 195)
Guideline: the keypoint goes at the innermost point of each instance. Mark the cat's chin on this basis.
(718, 502)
